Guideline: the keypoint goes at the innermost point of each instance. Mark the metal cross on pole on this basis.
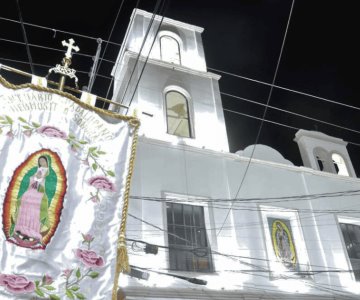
(64, 70)
(71, 47)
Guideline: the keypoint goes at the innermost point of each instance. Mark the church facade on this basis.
(282, 231)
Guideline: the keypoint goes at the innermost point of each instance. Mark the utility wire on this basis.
(109, 38)
(226, 94)
(163, 9)
(116, 62)
(275, 123)
(287, 89)
(264, 113)
(314, 285)
(209, 68)
(47, 66)
(204, 251)
(253, 199)
(157, 5)
(291, 113)
(25, 36)
(53, 49)
(58, 30)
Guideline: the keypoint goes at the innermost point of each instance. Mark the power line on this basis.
(25, 36)
(47, 66)
(264, 113)
(314, 285)
(209, 68)
(204, 251)
(125, 38)
(109, 38)
(253, 199)
(275, 123)
(53, 49)
(223, 93)
(292, 113)
(287, 89)
(163, 9)
(157, 5)
(58, 30)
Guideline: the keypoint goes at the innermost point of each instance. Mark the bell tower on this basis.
(324, 153)
(161, 72)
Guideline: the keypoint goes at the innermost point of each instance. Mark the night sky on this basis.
(243, 37)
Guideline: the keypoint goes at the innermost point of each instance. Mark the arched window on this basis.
(321, 157)
(177, 114)
(339, 164)
(169, 49)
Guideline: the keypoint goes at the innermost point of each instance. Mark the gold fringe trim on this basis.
(122, 260)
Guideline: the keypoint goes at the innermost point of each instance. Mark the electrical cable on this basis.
(53, 49)
(193, 280)
(125, 39)
(264, 113)
(314, 285)
(48, 66)
(58, 30)
(163, 9)
(253, 199)
(276, 123)
(109, 38)
(209, 68)
(291, 113)
(194, 250)
(25, 36)
(157, 5)
(288, 89)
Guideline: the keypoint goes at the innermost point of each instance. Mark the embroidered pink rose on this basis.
(27, 132)
(16, 284)
(52, 131)
(95, 199)
(88, 238)
(47, 279)
(10, 134)
(85, 162)
(67, 273)
(89, 258)
(102, 183)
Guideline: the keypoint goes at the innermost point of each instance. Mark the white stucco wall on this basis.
(162, 167)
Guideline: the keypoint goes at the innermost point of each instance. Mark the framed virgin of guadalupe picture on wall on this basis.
(285, 245)
(283, 242)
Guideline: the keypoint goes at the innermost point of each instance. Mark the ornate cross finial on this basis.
(70, 46)
(64, 69)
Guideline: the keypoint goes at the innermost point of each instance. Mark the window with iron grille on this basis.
(189, 249)
(351, 234)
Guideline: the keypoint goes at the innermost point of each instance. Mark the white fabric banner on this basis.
(63, 176)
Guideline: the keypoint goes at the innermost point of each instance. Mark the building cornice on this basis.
(236, 157)
(167, 20)
(171, 66)
(319, 136)
(139, 292)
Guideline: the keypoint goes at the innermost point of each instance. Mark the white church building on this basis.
(292, 232)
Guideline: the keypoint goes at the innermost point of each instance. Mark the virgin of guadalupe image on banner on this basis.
(34, 200)
(283, 243)
(65, 171)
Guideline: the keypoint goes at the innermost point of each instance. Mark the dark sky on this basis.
(242, 37)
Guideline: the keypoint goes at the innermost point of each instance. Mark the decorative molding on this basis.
(161, 63)
(236, 157)
(167, 20)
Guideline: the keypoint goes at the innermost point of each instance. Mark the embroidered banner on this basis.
(65, 170)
